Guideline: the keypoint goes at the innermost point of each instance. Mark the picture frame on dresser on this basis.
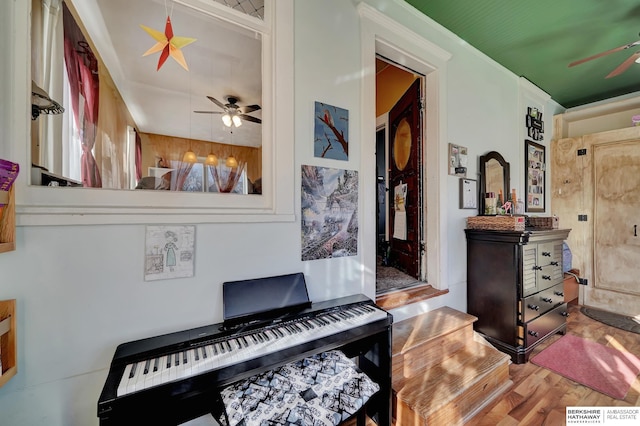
(535, 175)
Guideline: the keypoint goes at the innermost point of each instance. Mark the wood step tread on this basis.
(416, 331)
(431, 389)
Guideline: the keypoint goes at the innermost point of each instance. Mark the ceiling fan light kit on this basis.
(232, 113)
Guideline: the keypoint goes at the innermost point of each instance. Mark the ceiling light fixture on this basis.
(211, 160)
(231, 162)
(231, 119)
(190, 157)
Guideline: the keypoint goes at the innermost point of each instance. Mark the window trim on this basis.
(73, 206)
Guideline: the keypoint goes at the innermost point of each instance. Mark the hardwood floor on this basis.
(540, 396)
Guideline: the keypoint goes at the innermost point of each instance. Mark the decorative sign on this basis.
(535, 125)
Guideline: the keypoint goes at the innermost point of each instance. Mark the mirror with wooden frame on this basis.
(494, 177)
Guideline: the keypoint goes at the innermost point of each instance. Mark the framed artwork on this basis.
(458, 160)
(169, 252)
(468, 194)
(331, 132)
(329, 213)
(535, 167)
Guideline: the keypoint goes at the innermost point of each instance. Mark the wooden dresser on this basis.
(515, 287)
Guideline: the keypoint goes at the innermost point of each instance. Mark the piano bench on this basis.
(326, 388)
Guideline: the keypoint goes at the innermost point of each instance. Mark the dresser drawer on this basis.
(539, 303)
(544, 325)
(545, 253)
(548, 276)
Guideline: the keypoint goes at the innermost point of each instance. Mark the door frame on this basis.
(383, 35)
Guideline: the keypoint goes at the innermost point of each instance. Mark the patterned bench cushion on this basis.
(321, 390)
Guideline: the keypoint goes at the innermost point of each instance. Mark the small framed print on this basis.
(468, 194)
(458, 160)
(535, 167)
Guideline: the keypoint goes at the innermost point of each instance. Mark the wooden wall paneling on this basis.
(172, 149)
(8, 343)
(8, 221)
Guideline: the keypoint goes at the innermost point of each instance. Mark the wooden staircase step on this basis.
(452, 391)
(424, 340)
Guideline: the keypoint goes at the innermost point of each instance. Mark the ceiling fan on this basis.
(622, 67)
(232, 113)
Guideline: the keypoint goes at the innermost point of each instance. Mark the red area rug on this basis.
(601, 368)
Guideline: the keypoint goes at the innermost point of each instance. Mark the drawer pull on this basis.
(564, 314)
(533, 333)
(554, 263)
(558, 293)
(533, 307)
(546, 299)
(546, 277)
(546, 253)
(537, 268)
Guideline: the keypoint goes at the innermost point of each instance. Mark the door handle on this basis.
(635, 230)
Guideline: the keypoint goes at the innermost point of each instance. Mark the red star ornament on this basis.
(169, 44)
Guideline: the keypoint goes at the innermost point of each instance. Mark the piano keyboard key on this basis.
(139, 376)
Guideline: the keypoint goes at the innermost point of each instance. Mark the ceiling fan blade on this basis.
(623, 66)
(250, 118)
(208, 112)
(599, 55)
(217, 102)
(250, 108)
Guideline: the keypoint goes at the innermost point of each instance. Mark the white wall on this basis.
(80, 289)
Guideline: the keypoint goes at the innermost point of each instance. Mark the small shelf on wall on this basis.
(8, 343)
(7, 221)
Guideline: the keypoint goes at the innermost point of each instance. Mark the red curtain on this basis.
(227, 178)
(82, 70)
(138, 157)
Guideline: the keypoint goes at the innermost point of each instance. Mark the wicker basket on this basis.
(496, 223)
(542, 222)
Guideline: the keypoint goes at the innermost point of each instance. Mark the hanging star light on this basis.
(169, 44)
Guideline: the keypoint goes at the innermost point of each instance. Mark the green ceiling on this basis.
(538, 39)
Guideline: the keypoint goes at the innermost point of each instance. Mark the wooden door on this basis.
(597, 176)
(405, 142)
(617, 218)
